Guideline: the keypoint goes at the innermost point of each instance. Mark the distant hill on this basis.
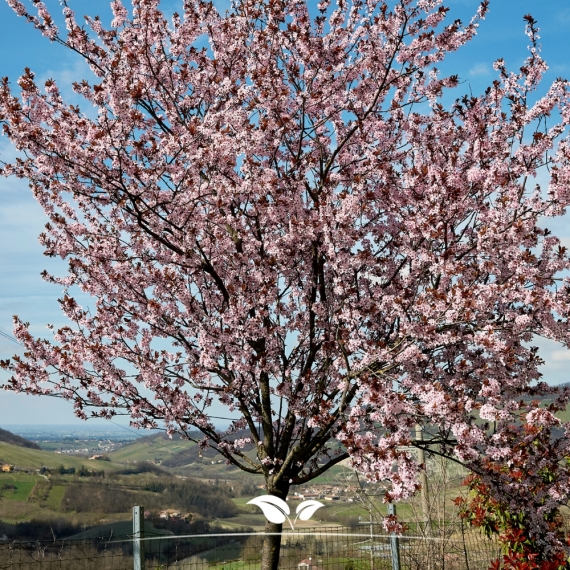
(13, 439)
(156, 448)
(172, 452)
(184, 457)
(35, 458)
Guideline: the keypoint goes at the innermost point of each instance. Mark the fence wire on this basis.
(90, 554)
(366, 547)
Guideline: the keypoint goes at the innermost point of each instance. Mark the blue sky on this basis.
(22, 290)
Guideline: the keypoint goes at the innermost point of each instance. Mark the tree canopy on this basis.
(280, 214)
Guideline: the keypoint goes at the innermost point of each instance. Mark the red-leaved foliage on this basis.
(534, 538)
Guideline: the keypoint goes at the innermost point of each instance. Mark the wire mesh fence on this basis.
(450, 546)
(366, 547)
(92, 554)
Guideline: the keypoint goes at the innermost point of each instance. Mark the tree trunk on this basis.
(271, 541)
(271, 546)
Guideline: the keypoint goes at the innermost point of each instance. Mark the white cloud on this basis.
(555, 367)
(480, 69)
(560, 355)
(559, 68)
(65, 77)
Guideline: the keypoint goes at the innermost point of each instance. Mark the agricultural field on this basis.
(26, 496)
(16, 501)
(155, 449)
(119, 528)
(162, 474)
(55, 496)
(22, 486)
(32, 459)
(45, 486)
(565, 415)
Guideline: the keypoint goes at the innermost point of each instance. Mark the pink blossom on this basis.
(294, 227)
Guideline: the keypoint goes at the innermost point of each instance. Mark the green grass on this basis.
(22, 491)
(14, 478)
(253, 520)
(330, 476)
(241, 502)
(118, 528)
(54, 498)
(34, 459)
(236, 565)
(149, 451)
(230, 551)
(565, 415)
(16, 505)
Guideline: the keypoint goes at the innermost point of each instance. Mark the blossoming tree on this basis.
(276, 214)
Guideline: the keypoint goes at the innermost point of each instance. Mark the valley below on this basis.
(79, 486)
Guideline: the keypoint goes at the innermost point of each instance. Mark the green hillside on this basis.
(26, 458)
(155, 448)
(118, 528)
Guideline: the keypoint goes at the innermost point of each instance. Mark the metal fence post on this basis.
(394, 542)
(138, 534)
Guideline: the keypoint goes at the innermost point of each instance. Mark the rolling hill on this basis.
(26, 458)
(9, 437)
(156, 448)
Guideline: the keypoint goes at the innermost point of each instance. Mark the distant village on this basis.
(104, 446)
(326, 493)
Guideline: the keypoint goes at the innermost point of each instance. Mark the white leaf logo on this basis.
(307, 509)
(276, 510)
